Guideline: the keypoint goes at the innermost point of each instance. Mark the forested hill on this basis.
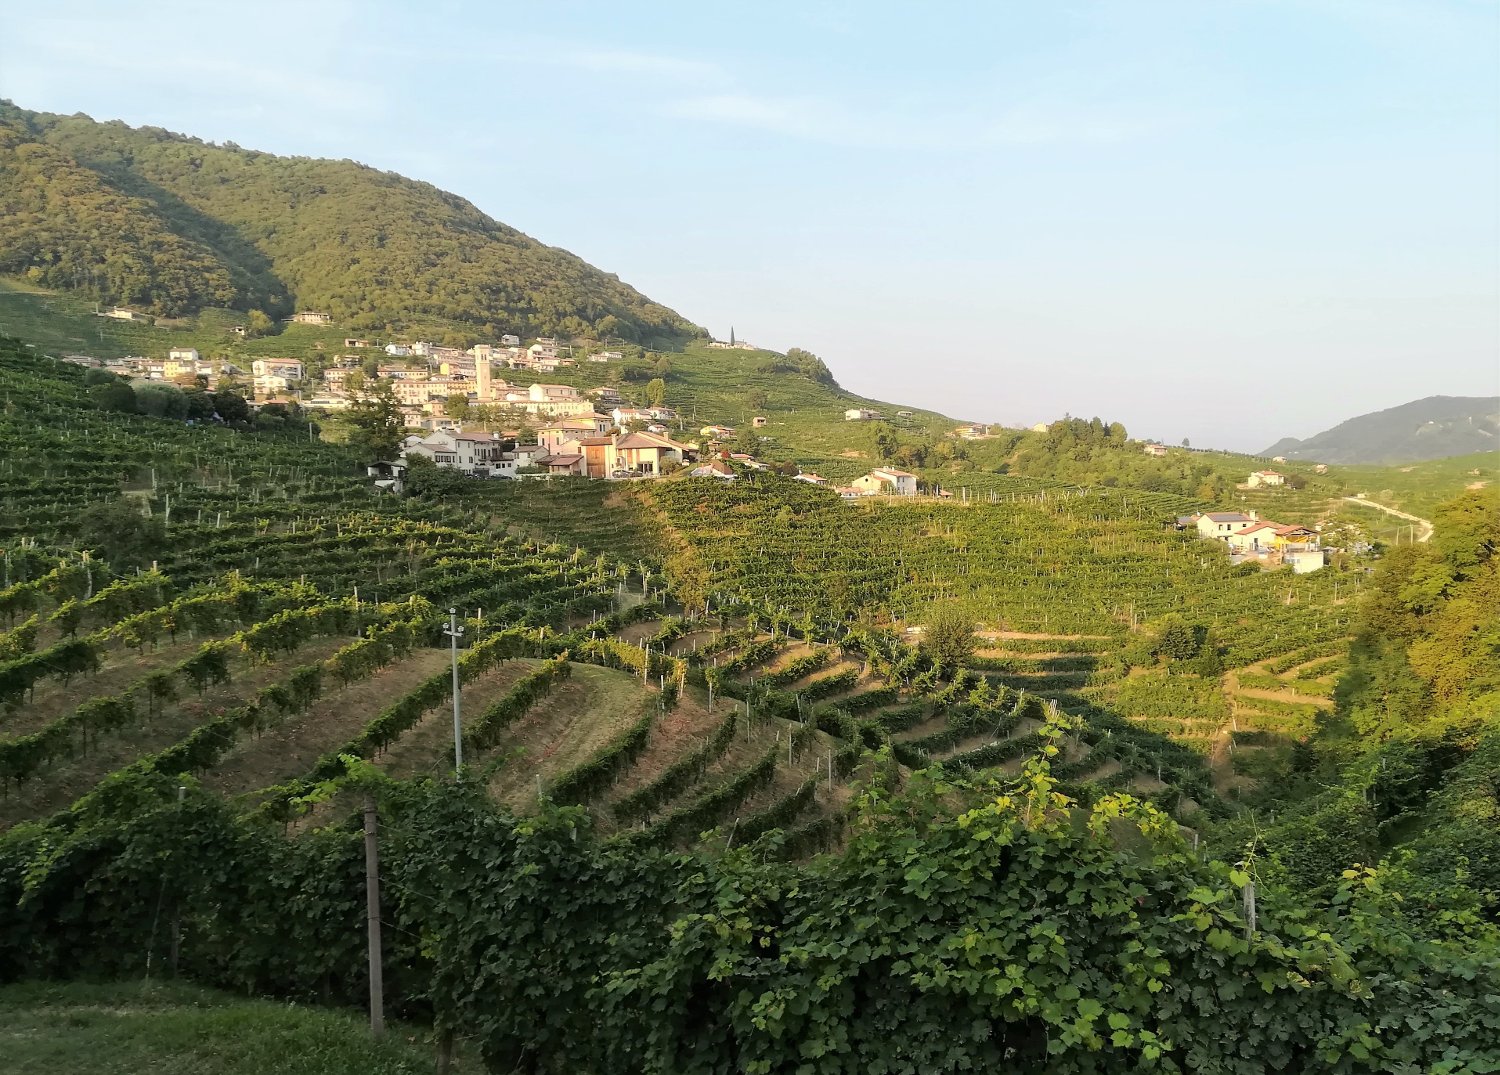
(1431, 428)
(171, 224)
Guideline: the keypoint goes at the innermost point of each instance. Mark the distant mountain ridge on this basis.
(1431, 428)
(146, 218)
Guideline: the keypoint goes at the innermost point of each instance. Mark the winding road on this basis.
(1424, 526)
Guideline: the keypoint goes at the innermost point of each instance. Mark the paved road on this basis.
(1424, 527)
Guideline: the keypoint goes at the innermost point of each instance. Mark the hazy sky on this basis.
(1229, 220)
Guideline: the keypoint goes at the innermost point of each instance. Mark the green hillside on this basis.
(171, 224)
(719, 809)
(1431, 428)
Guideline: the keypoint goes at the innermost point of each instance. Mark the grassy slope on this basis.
(122, 1029)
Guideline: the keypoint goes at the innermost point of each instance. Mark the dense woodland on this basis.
(171, 224)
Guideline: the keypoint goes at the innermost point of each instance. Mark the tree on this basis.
(200, 405)
(231, 406)
(757, 399)
(1178, 641)
(114, 396)
(1185, 443)
(656, 392)
(259, 323)
(948, 638)
(118, 532)
(160, 400)
(376, 422)
(424, 478)
(887, 444)
(457, 406)
(746, 441)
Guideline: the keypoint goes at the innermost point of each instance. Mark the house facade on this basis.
(886, 479)
(1221, 525)
(479, 454)
(1265, 479)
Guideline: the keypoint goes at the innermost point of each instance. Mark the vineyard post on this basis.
(372, 915)
(453, 631)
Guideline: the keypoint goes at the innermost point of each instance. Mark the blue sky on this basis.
(1229, 221)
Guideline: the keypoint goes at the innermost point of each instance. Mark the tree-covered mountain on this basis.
(1431, 428)
(172, 224)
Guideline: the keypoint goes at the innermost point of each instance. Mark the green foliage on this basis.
(174, 224)
(118, 531)
(375, 420)
(424, 478)
(948, 637)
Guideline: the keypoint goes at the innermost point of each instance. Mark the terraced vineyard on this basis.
(290, 620)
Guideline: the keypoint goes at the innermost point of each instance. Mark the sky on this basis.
(1229, 221)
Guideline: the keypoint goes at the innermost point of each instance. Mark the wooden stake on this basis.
(372, 914)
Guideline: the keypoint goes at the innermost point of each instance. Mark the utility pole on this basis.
(372, 914)
(454, 632)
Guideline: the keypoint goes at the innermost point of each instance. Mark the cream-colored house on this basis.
(1265, 478)
(646, 452)
(1220, 525)
(887, 480)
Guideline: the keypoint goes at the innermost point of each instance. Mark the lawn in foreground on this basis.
(135, 1027)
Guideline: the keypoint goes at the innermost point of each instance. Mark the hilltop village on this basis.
(478, 411)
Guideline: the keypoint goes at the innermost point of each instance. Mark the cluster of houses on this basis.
(1249, 537)
(589, 446)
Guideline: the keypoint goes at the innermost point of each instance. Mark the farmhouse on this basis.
(860, 414)
(1221, 524)
(1265, 478)
(887, 479)
(312, 317)
(1155, 449)
(120, 313)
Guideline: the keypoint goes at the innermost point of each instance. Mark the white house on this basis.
(1265, 478)
(479, 454)
(271, 375)
(883, 479)
(509, 340)
(182, 354)
(397, 350)
(859, 414)
(312, 317)
(1220, 525)
(625, 415)
(1155, 449)
(1305, 561)
(290, 368)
